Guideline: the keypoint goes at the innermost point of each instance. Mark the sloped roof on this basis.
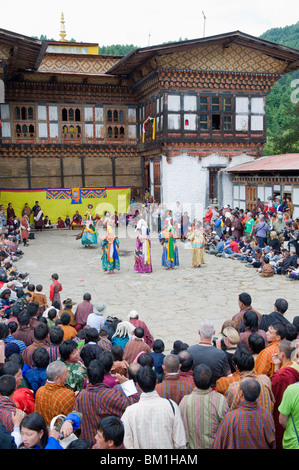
(24, 53)
(285, 162)
(139, 56)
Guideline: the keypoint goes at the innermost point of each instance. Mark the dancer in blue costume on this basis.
(110, 247)
(89, 233)
(170, 254)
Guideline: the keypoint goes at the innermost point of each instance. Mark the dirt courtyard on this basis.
(172, 303)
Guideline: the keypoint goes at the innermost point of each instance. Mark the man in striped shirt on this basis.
(56, 337)
(244, 301)
(25, 332)
(244, 364)
(249, 426)
(173, 386)
(41, 332)
(97, 401)
(7, 405)
(202, 410)
(135, 346)
(264, 363)
(54, 398)
(82, 311)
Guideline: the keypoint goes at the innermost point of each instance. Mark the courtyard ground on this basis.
(172, 303)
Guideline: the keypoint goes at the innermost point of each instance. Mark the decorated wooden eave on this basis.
(138, 57)
(21, 53)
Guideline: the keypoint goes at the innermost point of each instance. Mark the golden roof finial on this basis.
(62, 29)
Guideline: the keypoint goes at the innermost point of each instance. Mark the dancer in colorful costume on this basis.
(110, 247)
(89, 233)
(143, 262)
(170, 254)
(198, 243)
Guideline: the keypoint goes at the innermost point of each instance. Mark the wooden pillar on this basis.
(113, 171)
(61, 172)
(83, 171)
(29, 172)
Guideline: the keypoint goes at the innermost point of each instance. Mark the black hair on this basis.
(117, 353)
(39, 287)
(106, 359)
(36, 422)
(296, 322)
(281, 305)
(4, 330)
(158, 346)
(243, 359)
(52, 313)
(41, 331)
(65, 318)
(103, 332)
(145, 359)
(10, 368)
(291, 332)
(256, 343)
(95, 372)
(177, 346)
(31, 287)
(32, 308)
(251, 319)
(66, 348)
(280, 329)
(79, 444)
(56, 304)
(146, 379)
(16, 357)
(139, 332)
(87, 296)
(92, 334)
(112, 429)
(245, 298)
(12, 326)
(7, 385)
(202, 376)
(41, 358)
(55, 276)
(23, 318)
(89, 352)
(56, 334)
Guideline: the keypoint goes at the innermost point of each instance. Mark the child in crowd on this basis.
(158, 357)
(41, 299)
(36, 376)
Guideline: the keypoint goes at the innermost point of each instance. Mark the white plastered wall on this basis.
(186, 179)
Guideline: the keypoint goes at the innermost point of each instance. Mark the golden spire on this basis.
(62, 29)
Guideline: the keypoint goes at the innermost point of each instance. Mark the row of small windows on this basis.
(67, 114)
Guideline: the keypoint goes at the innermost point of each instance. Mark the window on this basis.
(203, 123)
(71, 132)
(227, 123)
(117, 117)
(25, 128)
(216, 122)
(204, 103)
(70, 114)
(215, 104)
(227, 105)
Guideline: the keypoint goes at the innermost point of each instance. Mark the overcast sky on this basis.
(145, 23)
